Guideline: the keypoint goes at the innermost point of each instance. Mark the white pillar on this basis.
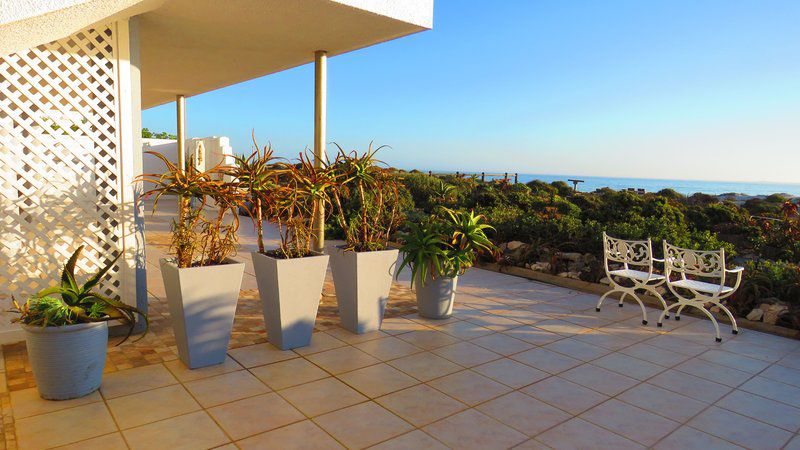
(320, 118)
(180, 103)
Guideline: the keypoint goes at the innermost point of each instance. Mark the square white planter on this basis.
(202, 304)
(435, 299)
(363, 281)
(290, 291)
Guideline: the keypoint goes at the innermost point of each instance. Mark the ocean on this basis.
(686, 187)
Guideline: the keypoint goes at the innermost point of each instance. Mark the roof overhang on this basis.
(194, 46)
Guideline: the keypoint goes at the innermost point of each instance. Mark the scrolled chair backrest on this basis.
(626, 251)
(694, 262)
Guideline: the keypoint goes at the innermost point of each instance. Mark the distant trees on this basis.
(146, 133)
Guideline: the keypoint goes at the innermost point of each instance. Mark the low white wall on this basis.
(215, 150)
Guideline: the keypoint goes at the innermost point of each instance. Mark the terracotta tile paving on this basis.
(479, 380)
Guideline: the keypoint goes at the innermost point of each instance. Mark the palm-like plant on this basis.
(376, 191)
(445, 245)
(79, 303)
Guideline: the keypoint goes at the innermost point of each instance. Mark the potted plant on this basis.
(202, 281)
(67, 337)
(367, 203)
(438, 250)
(290, 278)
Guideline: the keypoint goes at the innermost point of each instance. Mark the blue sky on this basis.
(654, 89)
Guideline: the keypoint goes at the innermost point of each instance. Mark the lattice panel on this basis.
(60, 183)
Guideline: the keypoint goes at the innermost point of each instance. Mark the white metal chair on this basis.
(631, 253)
(704, 264)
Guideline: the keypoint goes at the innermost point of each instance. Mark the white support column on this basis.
(320, 118)
(180, 103)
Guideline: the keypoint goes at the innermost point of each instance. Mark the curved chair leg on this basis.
(644, 310)
(678, 312)
(660, 322)
(713, 321)
(600, 302)
(622, 298)
(656, 294)
(735, 329)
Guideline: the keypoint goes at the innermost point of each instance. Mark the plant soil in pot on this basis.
(290, 291)
(435, 297)
(363, 281)
(202, 304)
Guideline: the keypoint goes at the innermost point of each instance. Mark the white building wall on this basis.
(216, 150)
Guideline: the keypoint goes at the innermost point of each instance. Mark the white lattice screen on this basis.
(60, 161)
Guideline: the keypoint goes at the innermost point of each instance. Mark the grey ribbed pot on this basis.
(435, 299)
(290, 291)
(202, 305)
(363, 281)
(67, 361)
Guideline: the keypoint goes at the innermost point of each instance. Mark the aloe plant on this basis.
(79, 303)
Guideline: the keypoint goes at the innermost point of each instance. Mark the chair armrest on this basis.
(735, 270)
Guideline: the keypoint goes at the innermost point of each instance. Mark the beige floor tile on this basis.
(399, 325)
(751, 350)
(511, 373)
(521, 315)
(469, 387)
(735, 361)
(431, 322)
(783, 374)
(362, 425)
(628, 366)
(502, 344)
(466, 354)
(184, 374)
(377, 380)
(342, 360)
(524, 413)
(387, 348)
(690, 386)
(494, 323)
(794, 444)
(414, 440)
(578, 434)
(663, 402)
(305, 435)
(532, 444)
(226, 388)
(27, 402)
(631, 422)
(599, 379)
(774, 390)
(577, 349)
(320, 341)
(65, 426)
(550, 362)
(713, 372)
(254, 415)
(688, 438)
(565, 395)
(425, 366)
(763, 409)
(139, 379)
(655, 355)
(353, 338)
(739, 429)
(471, 429)
(562, 327)
(292, 372)
(321, 396)
(464, 330)
(150, 406)
(113, 441)
(605, 340)
(188, 432)
(428, 339)
(260, 354)
(420, 405)
(533, 335)
(676, 344)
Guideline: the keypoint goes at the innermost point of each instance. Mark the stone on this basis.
(571, 256)
(755, 315)
(773, 312)
(605, 281)
(513, 245)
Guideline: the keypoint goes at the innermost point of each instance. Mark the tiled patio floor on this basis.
(520, 364)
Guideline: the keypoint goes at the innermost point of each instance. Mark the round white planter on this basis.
(67, 361)
(435, 299)
(363, 281)
(290, 291)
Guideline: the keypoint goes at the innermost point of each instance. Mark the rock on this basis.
(605, 281)
(569, 256)
(502, 247)
(755, 315)
(540, 266)
(770, 301)
(564, 274)
(774, 311)
(513, 245)
(575, 275)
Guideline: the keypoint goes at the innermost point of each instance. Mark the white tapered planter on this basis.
(202, 304)
(68, 361)
(435, 299)
(290, 291)
(363, 281)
